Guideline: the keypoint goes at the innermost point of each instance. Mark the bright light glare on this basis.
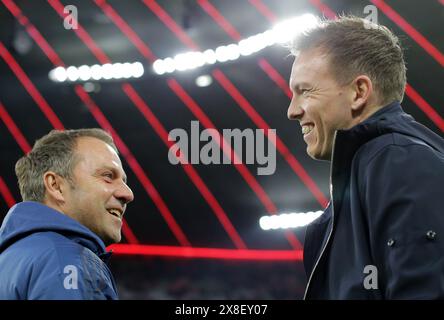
(73, 73)
(58, 74)
(84, 73)
(98, 72)
(281, 33)
(204, 80)
(288, 220)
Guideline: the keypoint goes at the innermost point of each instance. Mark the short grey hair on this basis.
(355, 46)
(52, 152)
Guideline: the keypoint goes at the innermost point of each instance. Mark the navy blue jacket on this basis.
(386, 212)
(44, 254)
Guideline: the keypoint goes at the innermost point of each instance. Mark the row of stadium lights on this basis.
(288, 220)
(97, 72)
(281, 33)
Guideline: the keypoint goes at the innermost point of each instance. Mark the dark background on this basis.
(256, 77)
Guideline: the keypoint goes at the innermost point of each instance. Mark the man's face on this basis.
(99, 196)
(320, 104)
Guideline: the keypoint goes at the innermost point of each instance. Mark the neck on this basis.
(53, 205)
(366, 113)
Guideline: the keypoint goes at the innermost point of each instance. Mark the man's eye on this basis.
(108, 175)
(304, 91)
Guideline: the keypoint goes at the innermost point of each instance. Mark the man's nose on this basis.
(124, 194)
(294, 111)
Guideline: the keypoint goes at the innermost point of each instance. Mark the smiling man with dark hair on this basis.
(381, 236)
(52, 245)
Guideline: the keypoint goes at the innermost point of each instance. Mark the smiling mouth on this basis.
(115, 212)
(306, 129)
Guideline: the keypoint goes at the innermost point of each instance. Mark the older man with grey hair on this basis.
(52, 245)
(381, 236)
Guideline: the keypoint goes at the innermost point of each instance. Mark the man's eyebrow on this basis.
(296, 86)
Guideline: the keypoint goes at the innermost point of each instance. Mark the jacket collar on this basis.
(388, 119)
(347, 142)
(375, 125)
(29, 217)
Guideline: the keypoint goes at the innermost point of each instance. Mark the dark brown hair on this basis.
(355, 46)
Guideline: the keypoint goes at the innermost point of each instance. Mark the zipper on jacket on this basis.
(332, 218)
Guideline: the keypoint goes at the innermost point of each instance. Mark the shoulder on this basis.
(398, 161)
(41, 245)
(47, 265)
(40, 255)
(397, 149)
(32, 263)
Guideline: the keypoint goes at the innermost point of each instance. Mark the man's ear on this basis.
(55, 187)
(362, 90)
